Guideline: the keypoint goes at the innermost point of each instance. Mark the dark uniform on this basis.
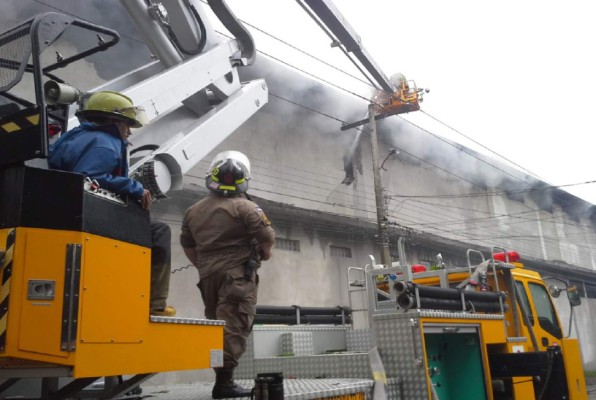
(99, 152)
(225, 232)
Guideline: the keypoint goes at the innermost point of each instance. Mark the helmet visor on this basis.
(135, 113)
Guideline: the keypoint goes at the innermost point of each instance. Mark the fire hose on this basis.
(452, 299)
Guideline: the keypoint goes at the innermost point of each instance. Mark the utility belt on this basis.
(253, 263)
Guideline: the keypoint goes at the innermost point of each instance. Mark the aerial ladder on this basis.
(75, 258)
(394, 95)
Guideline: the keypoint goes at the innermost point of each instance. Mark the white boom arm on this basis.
(192, 95)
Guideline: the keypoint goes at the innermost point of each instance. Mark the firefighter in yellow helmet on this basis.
(226, 236)
(97, 149)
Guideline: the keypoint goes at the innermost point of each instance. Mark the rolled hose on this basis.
(403, 287)
(407, 301)
(445, 293)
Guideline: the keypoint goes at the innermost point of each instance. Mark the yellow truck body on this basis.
(109, 331)
(448, 343)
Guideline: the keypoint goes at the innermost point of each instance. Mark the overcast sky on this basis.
(519, 77)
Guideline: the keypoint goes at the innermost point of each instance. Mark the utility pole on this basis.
(379, 199)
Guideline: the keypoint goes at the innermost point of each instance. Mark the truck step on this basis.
(294, 389)
(187, 321)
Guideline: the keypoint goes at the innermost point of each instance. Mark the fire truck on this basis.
(75, 257)
(485, 331)
(488, 330)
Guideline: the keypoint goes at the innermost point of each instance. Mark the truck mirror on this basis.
(554, 291)
(573, 296)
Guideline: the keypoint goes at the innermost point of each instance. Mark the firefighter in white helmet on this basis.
(226, 236)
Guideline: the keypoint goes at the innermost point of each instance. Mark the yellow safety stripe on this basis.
(222, 187)
(6, 272)
(34, 119)
(19, 123)
(10, 127)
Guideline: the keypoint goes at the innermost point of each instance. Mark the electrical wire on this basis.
(480, 144)
(436, 136)
(362, 97)
(352, 93)
(436, 119)
(337, 43)
(471, 236)
(479, 194)
(268, 162)
(308, 54)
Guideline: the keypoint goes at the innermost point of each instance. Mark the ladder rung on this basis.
(357, 283)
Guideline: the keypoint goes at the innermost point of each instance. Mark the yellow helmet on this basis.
(113, 105)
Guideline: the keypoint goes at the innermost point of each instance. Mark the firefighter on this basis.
(226, 236)
(97, 149)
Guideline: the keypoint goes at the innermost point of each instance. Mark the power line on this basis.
(463, 150)
(352, 93)
(316, 77)
(428, 132)
(368, 100)
(495, 193)
(460, 232)
(475, 237)
(479, 144)
(307, 54)
(306, 107)
(336, 41)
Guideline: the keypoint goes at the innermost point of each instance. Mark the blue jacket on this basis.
(99, 153)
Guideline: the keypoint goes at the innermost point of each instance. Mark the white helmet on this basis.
(397, 80)
(228, 173)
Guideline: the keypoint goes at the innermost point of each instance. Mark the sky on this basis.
(517, 77)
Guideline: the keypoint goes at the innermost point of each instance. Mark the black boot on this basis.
(225, 387)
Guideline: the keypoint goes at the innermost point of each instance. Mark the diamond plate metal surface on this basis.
(308, 328)
(360, 340)
(266, 343)
(348, 365)
(399, 340)
(246, 364)
(294, 389)
(455, 315)
(297, 343)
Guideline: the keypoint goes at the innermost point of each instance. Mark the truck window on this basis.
(524, 302)
(547, 317)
